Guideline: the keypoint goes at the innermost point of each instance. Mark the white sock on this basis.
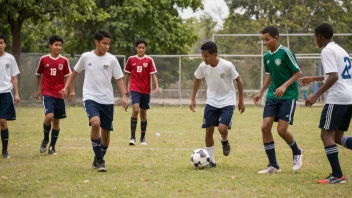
(223, 140)
(211, 153)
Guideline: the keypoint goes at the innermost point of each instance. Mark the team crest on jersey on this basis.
(7, 66)
(106, 67)
(61, 66)
(145, 64)
(267, 62)
(278, 62)
(222, 75)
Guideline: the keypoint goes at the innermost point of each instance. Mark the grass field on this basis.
(162, 168)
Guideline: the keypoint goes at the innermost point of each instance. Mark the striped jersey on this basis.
(281, 65)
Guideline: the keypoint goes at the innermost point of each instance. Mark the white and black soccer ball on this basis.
(200, 158)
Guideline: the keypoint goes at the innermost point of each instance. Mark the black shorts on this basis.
(142, 99)
(336, 117)
(281, 109)
(7, 107)
(54, 105)
(214, 116)
(104, 111)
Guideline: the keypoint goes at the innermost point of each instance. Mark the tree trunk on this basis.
(16, 26)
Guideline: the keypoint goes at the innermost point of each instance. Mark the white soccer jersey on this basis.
(335, 59)
(221, 90)
(98, 73)
(8, 69)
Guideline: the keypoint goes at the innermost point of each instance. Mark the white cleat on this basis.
(269, 169)
(297, 161)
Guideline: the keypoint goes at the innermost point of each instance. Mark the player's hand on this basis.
(36, 95)
(241, 107)
(257, 97)
(157, 90)
(192, 106)
(280, 91)
(63, 93)
(305, 80)
(127, 94)
(17, 98)
(311, 100)
(124, 103)
(72, 95)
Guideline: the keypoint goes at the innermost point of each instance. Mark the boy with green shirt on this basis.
(281, 65)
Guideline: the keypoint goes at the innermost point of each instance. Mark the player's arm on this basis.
(281, 90)
(37, 83)
(72, 87)
(121, 86)
(266, 84)
(196, 86)
(69, 83)
(127, 80)
(15, 88)
(239, 83)
(155, 80)
(308, 79)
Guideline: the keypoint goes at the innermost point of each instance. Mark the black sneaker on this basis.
(212, 165)
(94, 165)
(5, 154)
(43, 146)
(226, 147)
(101, 165)
(52, 151)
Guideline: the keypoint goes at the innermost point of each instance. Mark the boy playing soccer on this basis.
(140, 68)
(98, 96)
(337, 112)
(8, 80)
(221, 97)
(281, 65)
(52, 71)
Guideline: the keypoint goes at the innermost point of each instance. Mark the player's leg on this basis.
(60, 113)
(144, 106)
(7, 112)
(223, 127)
(135, 100)
(105, 140)
(209, 145)
(210, 120)
(339, 136)
(106, 125)
(330, 121)
(4, 137)
(49, 109)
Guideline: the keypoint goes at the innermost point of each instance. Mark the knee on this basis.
(3, 123)
(135, 111)
(266, 129)
(95, 122)
(282, 131)
(49, 118)
(222, 128)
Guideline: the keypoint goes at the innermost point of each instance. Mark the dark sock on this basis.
(332, 153)
(54, 136)
(294, 147)
(133, 127)
(97, 148)
(104, 149)
(5, 139)
(270, 152)
(143, 129)
(46, 131)
(346, 142)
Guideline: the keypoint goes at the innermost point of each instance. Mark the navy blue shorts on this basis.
(142, 99)
(7, 107)
(281, 109)
(213, 116)
(336, 117)
(104, 111)
(54, 105)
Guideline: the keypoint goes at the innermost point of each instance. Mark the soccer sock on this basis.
(46, 131)
(294, 147)
(54, 136)
(332, 153)
(133, 127)
(5, 139)
(270, 152)
(224, 140)
(143, 129)
(211, 153)
(97, 148)
(104, 149)
(346, 142)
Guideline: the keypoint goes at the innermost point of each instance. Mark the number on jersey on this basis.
(346, 72)
(139, 68)
(53, 71)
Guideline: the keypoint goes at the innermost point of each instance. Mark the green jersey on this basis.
(281, 65)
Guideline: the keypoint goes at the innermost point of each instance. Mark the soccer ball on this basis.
(200, 158)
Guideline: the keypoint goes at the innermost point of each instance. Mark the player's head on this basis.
(323, 34)
(270, 36)
(2, 43)
(102, 40)
(141, 46)
(55, 44)
(209, 53)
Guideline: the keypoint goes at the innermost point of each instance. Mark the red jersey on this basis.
(140, 70)
(53, 71)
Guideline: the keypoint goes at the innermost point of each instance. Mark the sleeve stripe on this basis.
(292, 59)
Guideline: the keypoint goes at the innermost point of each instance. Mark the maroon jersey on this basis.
(140, 70)
(53, 71)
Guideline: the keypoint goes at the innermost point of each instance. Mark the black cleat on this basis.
(5, 154)
(226, 147)
(94, 165)
(212, 165)
(101, 165)
(43, 146)
(52, 151)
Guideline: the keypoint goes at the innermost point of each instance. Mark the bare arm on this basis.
(127, 80)
(37, 83)
(281, 90)
(196, 85)
(266, 84)
(155, 80)
(333, 77)
(121, 86)
(308, 79)
(72, 89)
(239, 83)
(15, 88)
(69, 82)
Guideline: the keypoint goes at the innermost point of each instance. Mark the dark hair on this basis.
(100, 34)
(271, 30)
(141, 40)
(324, 30)
(210, 46)
(2, 36)
(55, 38)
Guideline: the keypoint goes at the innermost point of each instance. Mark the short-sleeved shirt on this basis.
(8, 69)
(281, 65)
(140, 70)
(99, 71)
(221, 90)
(335, 59)
(53, 71)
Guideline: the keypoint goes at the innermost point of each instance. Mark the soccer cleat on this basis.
(94, 165)
(226, 147)
(297, 161)
(212, 165)
(5, 154)
(143, 142)
(332, 180)
(43, 146)
(52, 151)
(100, 165)
(132, 142)
(270, 169)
